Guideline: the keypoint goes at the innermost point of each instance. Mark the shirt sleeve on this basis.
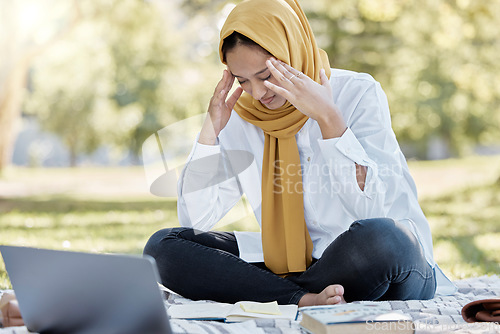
(206, 189)
(368, 141)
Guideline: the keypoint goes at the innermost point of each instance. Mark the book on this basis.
(240, 311)
(354, 318)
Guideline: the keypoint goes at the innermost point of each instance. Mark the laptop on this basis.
(82, 293)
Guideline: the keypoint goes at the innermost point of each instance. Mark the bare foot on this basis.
(332, 294)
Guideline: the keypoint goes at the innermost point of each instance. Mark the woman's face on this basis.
(248, 65)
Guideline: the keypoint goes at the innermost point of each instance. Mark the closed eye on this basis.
(241, 82)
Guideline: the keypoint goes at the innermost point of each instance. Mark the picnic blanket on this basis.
(438, 315)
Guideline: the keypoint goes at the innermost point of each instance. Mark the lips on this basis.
(268, 100)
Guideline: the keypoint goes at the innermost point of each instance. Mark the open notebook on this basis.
(240, 311)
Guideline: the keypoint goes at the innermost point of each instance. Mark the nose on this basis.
(258, 90)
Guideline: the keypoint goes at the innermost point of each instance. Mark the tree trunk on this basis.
(11, 93)
(72, 158)
(16, 60)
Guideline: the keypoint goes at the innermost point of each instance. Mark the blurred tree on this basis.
(106, 84)
(131, 67)
(143, 49)
(24, 36)
(203, 7)
(437, 61)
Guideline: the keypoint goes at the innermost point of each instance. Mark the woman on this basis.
(325, 168)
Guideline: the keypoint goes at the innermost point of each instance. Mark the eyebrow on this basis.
(260, 72)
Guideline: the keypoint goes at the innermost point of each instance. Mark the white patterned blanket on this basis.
(438, 315)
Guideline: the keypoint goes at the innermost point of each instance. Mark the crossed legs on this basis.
(376, 259)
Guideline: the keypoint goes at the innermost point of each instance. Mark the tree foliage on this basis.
(23, 37)
(104, 84)
(132, 67)
(436, 60)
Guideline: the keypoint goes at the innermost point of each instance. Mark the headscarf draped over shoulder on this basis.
(281, 28)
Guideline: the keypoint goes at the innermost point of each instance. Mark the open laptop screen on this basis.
(72, 292)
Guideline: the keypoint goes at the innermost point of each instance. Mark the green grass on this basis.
(61, 222)
(466, 230)
(110, 210)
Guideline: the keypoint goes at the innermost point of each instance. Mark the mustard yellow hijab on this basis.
(281, 28)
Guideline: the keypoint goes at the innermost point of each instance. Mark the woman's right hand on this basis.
(219, 109)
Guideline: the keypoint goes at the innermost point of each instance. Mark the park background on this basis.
(84, 83)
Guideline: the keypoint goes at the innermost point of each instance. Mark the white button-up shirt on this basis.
(216, 176)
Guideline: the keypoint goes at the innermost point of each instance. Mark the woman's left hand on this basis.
(309, 97)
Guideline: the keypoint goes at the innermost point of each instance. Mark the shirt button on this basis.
(308, 158)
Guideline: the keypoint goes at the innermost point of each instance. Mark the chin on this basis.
(276, 104)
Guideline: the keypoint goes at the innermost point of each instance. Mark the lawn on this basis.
(110, 210)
